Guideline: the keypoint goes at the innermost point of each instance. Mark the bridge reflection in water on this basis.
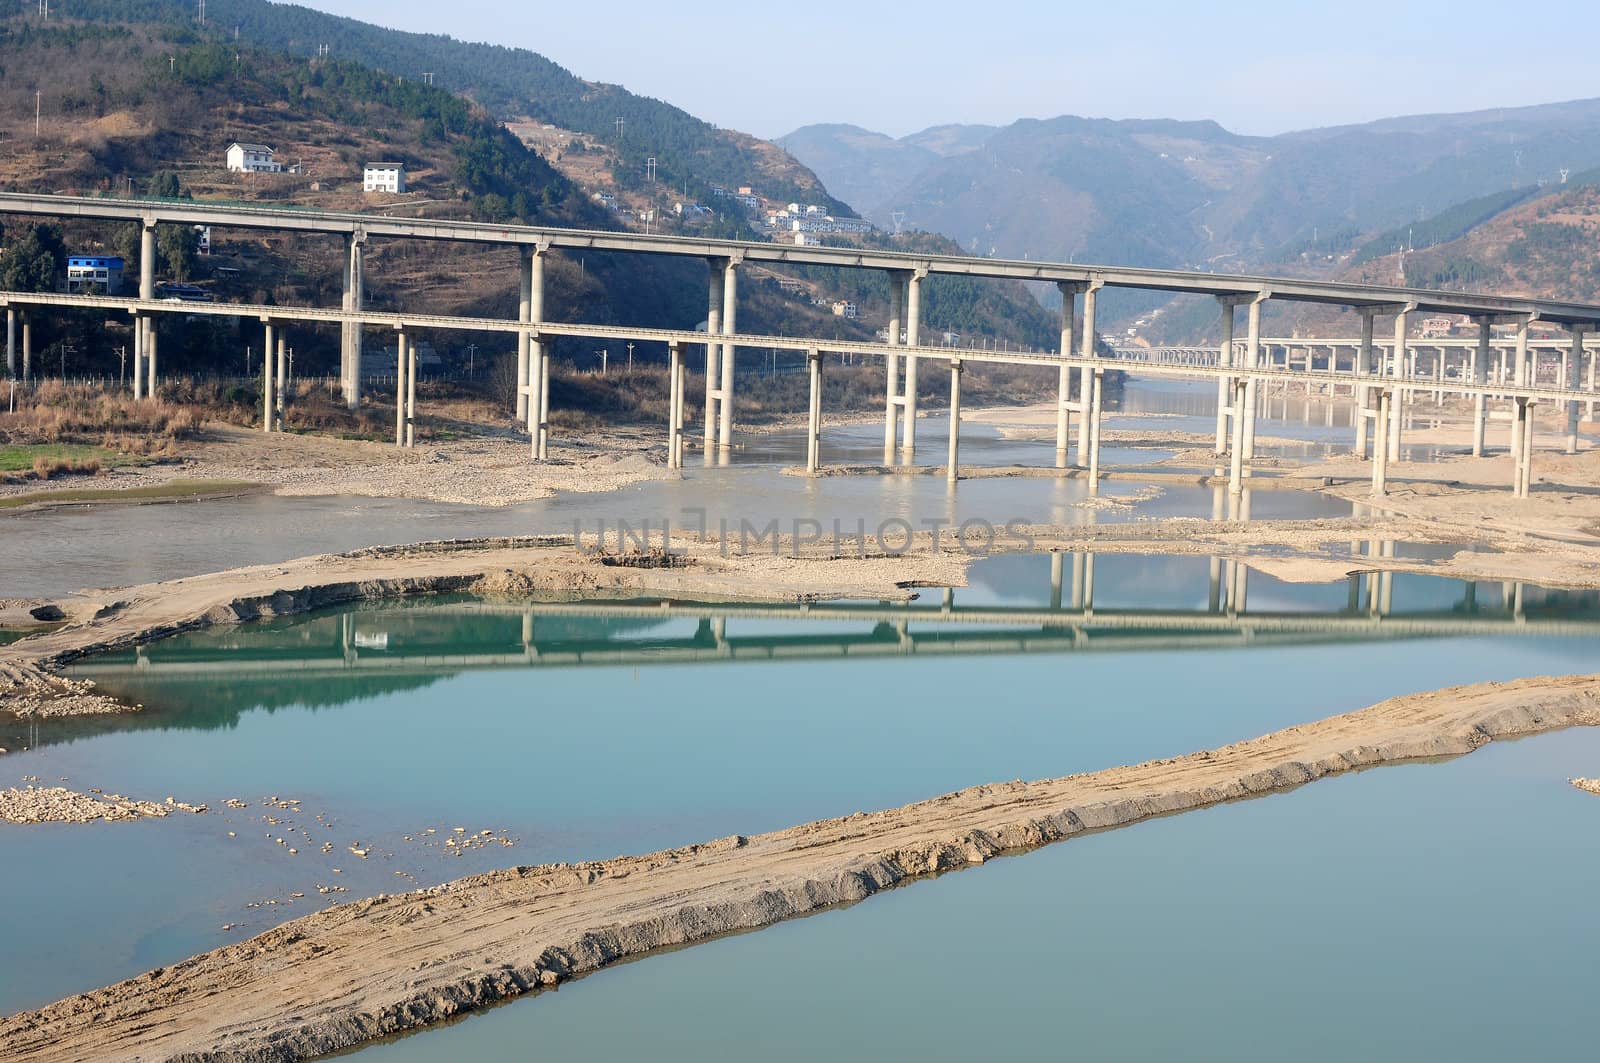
(443, 636)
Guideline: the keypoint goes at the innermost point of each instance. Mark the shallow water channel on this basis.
(591, 729)
(101, 546)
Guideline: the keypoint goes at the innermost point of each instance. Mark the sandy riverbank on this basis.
(516, 567)
(487, 470)
(397, 962)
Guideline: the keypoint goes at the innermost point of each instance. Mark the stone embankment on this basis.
(371, 968)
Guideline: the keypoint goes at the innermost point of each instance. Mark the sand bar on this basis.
(363, 970)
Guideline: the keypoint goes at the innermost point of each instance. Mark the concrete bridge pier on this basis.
(400, 364)
(1382, 424)
(350, 351)
(411, 393)
(1096, 405)
(1402, 323)
(730, 312)
(540, 369)
(1225, 359)
(891, 361)
(1480, 370)
(150, 343)
(951, 465)
(1065, 407)
(1571, 361)
(1362, 392)
(530, 276)
(1091, 298)
(675, 406)
(1520, 373)
(1252, 360)
(908, 426)
(1589, 384)
(1236, 457)
(281, 371)
(814, 414)
(269, 402)
(713, 330)
(1522, 427)
(139, 335)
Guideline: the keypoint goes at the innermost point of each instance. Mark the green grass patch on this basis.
(177, 491)
(20, 457)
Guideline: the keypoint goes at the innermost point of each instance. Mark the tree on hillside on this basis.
(176, 248)
(31, 262)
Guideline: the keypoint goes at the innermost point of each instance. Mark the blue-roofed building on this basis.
(94, 275)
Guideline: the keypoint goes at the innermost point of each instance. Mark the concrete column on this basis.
(891, 393)
(525, 256)
(139, 334)
(543, 441)
(355, 282)
(1057, 568)
(11, 342)
(147, 260)
(27, 347)
(399, 389)
(1522, 428)
(1236, 463)
(1480, 370)
(1096, 400)
(1519, 374)
(713, 329)
(1570, 364)
(1225, 358)
(150, 356)
(675, 406)
(1069, 322)
(955, 421)
(730, 311)
(1589, 383)
(269, 402)
(1380, 445)
(1363, 394)
(1252, 359)
(411, 394)
(281, 371)
(908, 427)
(1085, 374)
(1402, 322)
(814, 420)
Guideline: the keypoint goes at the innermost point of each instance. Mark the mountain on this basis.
(864, 168)
(164, 99)
(860, 166)
(1163, 193)
(510, 83)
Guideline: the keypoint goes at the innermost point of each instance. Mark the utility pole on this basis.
(122, 365)
(603, 353)
(472, 357)
(619, 123)
(630, 359)
(38, 110)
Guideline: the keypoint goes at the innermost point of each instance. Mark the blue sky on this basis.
(1256, 67)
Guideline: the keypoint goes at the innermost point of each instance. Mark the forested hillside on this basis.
(509, 82)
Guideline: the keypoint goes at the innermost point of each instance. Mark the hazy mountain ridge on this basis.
(1170, 193)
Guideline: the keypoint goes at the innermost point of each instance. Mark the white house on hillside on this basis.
(383, 177)
(252, 158)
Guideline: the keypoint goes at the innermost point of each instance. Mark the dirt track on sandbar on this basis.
(359, 971)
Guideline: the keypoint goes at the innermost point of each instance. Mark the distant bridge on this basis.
(1380, 383)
